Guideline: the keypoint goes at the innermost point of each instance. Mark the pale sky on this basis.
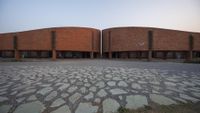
(22, 15)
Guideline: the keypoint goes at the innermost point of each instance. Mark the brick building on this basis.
(65, 42)
(148, 43)
(121, 42)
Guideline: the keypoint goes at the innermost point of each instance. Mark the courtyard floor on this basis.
(95, 86)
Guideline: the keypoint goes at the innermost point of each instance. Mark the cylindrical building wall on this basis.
(63, 42)
(122, 42)
(6, 41)
(34, 40)
(74, 39)
(141, 42)
(6, 45)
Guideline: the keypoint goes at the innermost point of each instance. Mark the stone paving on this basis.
(90, 86)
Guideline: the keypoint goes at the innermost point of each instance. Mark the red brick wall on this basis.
(105, 41)
(76, 39)
(126, 39)
(97, 35)
(6, 41)
(34, 40)
(67, 38)
(170, 40)
(196, 46)
(80, 39)
(136, 38)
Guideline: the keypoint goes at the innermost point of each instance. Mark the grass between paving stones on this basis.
(155, 108)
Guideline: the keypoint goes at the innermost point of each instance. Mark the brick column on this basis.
(100, 38)
(92, 46)
(191, 43)
(150, 44)
(149, 55)
(110, 45)
(91, 55)
(53, 44)
(17, 55)
(53, 54)
(15, 44)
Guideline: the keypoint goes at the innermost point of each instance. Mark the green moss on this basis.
(122, 110)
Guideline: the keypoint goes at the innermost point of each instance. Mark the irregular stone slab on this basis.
(74, 97)
(46, 85)
(5, 108)
(87, 85)
(122, 84)
(179, 99)
(45, 90)
(14, 92)
(136, 101)
(57, 102)
(83, 90)
(172, 79)
(79, 83)
(64, 95)
(110, 106)
(156, 92)
(162, 100)
(136, 86)
(19, 87)
(3, 99)
(188, 98)
(120, 97)
(72, 81)
(170, 84)
(89, 96)
(188, 83)
(65, 80)
(117, 78)
(196, 94)
(93, 89)
(108, 76)
(168, 92)
(157, 88)
(86, 108)
(111, 83)
(32, 97)
(72, 89)
(63, 109)
(51, 96)
(100, 84)
(117, 91)
(142, 82)
(58, 84)
(195, 89)
(85, 80)
(26, 92)
(102, 93)
(20, 99)
(97, 100)
(63, 87)
(2, 93)
(33, 107)
(155, 82)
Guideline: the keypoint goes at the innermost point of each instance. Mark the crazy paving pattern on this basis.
(90, 89)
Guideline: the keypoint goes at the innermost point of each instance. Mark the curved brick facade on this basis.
(122, 42)
(149, 42)
(81, 41)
